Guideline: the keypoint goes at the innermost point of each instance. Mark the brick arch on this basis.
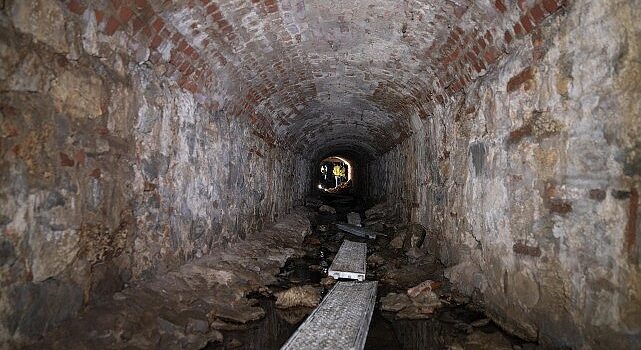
(298, 70)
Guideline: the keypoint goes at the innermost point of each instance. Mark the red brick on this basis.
(272, 5)
(148, 13)
(79, 157)
(65, 160)
(141, 4)
(217, 16)
(116, 3)
(212, 8)
(99, 15)
(76, 7)
(95, 173)
(158, 24)
(227, 29)
(184, 67)
(112, 25)
(155, 42)
(476, 66)
(550, 6)
(516, 81)
(500, 6)
(518, 30)
(508, 37)
(137, 24)
(146, 31)
(527, 23)
(125, 14)
(190, 86)
(488, 37)
(631, 225)
(451, 57)
(537, 14)
(176, 59)
(491, 54)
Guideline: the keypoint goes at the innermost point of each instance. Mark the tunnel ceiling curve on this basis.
(338, 74)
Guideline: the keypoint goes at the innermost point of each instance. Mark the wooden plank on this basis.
(341, 321)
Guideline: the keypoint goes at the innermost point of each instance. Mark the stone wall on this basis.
(113, 167)
(530, 177)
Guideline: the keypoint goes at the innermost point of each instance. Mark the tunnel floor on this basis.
(459, 324)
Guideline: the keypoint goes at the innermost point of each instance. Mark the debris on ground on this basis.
(418, 303)
(307, 296)
(328, 282)
(418, 307)
(427, 285)
(340, 188)
(326, 209)
(187, 307)
(379, 217)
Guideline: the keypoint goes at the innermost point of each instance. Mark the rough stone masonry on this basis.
(136, 136)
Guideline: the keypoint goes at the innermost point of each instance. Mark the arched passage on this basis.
(138, 137)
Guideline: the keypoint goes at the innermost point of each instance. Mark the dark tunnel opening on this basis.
(160, 164)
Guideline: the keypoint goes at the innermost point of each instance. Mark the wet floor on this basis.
(450, 327)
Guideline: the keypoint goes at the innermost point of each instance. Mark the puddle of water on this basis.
(271, 332)
(385, 333)
(449, 325)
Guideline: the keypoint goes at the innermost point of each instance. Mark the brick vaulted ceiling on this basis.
(331, 75)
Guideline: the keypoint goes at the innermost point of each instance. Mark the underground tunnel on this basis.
(187, 174)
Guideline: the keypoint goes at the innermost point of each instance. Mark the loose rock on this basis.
(326, 209)
(298, 296)
(480, 323)
(234, 344)
(420, 306)
(327, 282)
(415, 236)
(424, 286)
(395, 302)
